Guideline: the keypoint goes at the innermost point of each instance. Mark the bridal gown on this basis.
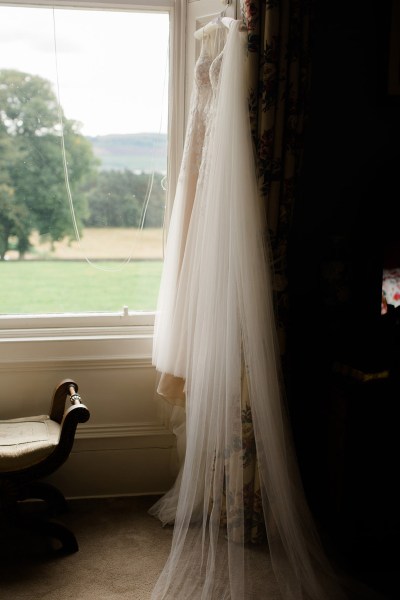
(220, 338)
(171, 303)
(171, 384)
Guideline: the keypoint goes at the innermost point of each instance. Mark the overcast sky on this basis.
(112, 66)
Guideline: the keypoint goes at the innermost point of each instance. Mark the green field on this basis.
(65, 286)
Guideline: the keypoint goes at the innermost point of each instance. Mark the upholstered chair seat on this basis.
(26, 442)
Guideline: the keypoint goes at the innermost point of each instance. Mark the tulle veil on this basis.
(227, 347)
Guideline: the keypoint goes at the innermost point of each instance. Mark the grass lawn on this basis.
(59, 286)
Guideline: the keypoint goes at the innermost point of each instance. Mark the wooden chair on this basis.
(32, 448)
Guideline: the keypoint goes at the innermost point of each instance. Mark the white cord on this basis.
(65, 167)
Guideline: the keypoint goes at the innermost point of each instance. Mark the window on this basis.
(83, 146)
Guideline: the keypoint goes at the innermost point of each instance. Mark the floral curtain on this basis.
(279, 63)
(279, 36)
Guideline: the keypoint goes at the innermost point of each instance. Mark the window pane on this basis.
(83, 158)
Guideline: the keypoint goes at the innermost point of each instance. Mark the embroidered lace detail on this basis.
(215, 70)
(201, 102)
(214, 73)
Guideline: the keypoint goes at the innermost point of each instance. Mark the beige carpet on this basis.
(122, 550)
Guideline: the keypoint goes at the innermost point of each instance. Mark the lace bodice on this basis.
(210, 57)
(214, 70)
(202, 70)
(205, 80)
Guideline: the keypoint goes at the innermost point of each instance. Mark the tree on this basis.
(112, 200)
(13, 219)
(12, 216)
(32, 159)
(118, 199)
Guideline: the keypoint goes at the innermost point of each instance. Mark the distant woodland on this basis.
(136, 151)
(110, 180)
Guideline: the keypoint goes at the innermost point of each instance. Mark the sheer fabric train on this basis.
(222, 339)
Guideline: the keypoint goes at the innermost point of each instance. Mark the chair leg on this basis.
(56, 531)
(34, 516)
(40, 490)
(62, 540)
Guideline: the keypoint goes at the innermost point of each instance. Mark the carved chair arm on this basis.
(67, 387)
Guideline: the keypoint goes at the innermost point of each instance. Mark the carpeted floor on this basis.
(122, 550)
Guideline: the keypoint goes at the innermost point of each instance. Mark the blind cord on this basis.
(65, 168)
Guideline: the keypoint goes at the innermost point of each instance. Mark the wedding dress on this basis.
(223, 345)
(171, 384)
(168, 335)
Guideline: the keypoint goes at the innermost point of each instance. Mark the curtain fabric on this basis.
(279, 64)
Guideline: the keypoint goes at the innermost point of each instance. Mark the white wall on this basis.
(125, 447)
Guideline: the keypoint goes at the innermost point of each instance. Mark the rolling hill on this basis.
(137, 151)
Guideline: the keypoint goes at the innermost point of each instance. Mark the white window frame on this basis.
(99, 326)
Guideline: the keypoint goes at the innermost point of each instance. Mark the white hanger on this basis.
(214, 24)
(208, 28)
(227, 21)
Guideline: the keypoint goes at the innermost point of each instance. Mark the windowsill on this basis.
(118, 336)
(73, 325)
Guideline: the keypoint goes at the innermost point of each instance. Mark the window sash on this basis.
(148, 5)
(92, 324)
